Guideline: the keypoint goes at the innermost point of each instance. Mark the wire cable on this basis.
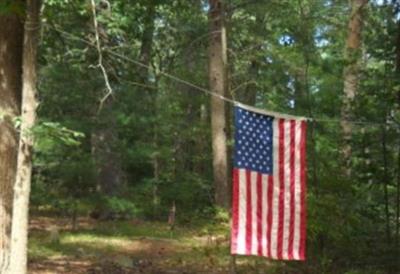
(209, 92)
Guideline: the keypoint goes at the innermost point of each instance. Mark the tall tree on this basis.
(397, 73)
(19, 230)
(217, 79)
(351, 75)
(147, 40)
(11, 35)
(145, 57)
(105, 137)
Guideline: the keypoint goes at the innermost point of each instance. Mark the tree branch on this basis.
(100, 59)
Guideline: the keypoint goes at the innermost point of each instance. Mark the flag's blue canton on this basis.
(253, 141)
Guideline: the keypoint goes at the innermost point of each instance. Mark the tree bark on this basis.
(151, 96)
(386, 178)
(300, 88)
(398, 200)
(397, 70)
(147, 41)
(104, 139)
(248, 94)
(350, 76)
(217, 78)
(19, 231)
(11, 39)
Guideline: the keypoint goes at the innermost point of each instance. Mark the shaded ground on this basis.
(121, 247)
(131, 247)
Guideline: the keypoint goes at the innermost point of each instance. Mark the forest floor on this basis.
(132, 247)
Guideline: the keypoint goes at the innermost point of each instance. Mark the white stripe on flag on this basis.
(264, 206)
(298, 205)
(275, 189)
(241, 240)
(286, 214)
(254, 197)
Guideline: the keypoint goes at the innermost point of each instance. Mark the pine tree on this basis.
(350, 75)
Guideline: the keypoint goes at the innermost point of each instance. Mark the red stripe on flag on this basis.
(235, 210)
(259, 218)
(248, 213)
(303, 191)
(269, 216)
(292, 205)
(281, 186)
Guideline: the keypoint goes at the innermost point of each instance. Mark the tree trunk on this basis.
(147, 41)
(19, 231)
(398, 200)
(350, 75)
(397, 70)
(201, 164)
(248, 94)
(386, 179)
(145, 57)
(104, 143)
(104, 150)
(217, 77)
(189, 102)
(300, 88)
(11, 39)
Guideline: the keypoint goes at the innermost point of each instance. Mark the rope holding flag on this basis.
(269, 185)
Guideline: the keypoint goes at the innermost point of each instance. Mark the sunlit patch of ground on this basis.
(131, 247)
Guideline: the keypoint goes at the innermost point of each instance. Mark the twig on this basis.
(139, 84)
(100, 60)
(243, 84)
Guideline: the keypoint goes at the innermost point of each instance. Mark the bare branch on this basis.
(100, 59)
(243, 85)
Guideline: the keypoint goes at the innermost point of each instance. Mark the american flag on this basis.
(269, 185)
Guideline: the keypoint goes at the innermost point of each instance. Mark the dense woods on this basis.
(122, 112)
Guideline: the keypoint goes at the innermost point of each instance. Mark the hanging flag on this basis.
(269, 185)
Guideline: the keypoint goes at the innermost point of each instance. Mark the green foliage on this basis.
(121, 207)
(56, 133)
(12, 7)
(283, 55)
